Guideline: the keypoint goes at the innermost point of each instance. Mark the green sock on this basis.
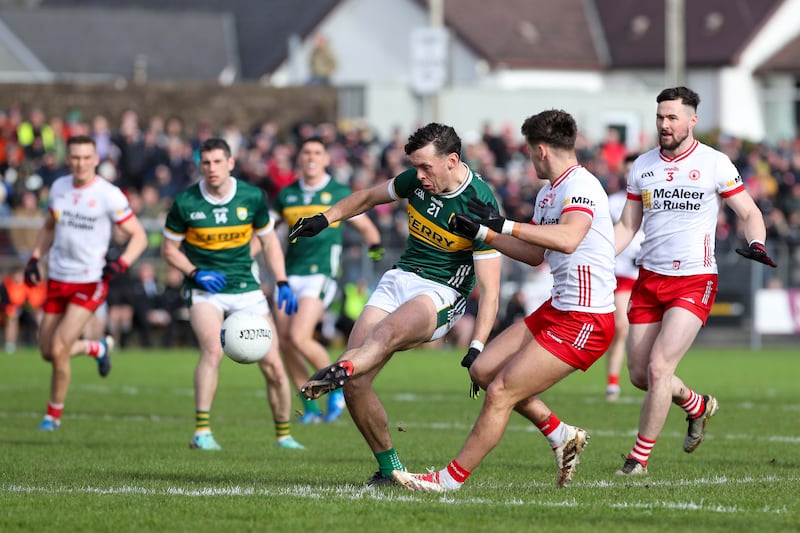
(281, 429)
(309, 406)
(201, 421)
(388, 461)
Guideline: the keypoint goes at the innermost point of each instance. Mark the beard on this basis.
(672, 145)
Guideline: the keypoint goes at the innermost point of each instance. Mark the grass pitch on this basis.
(121, 461)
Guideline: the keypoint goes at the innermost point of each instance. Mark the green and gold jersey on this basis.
(320, 254)
(216, 233)
(433, 251)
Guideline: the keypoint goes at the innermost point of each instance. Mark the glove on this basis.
(464, 225)
(466, 362)
(32, 275)
(208, 280)
(376, 252)
(286, 298)
(488, 215)
(114, 268)
(308, 227)
(756, 252)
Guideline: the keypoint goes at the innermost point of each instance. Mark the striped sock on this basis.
(694, 404)
(388, 461)
(454, 475)
(641, 450)
(281, 429)
(202, 422)
(552, 429)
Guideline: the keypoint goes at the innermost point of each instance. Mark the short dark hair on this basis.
(314, 139)
(444, 139)
(554, 127)
(215, 143)
(684, 94)
(81, 139)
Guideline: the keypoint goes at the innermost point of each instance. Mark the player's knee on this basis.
(638, 378)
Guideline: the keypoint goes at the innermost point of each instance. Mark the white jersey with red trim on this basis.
(583, 280)
(681, 197)
(84, 217)
(627, 266)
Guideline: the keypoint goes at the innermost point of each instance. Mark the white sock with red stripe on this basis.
(95, 348)
(694, 405)
(641, 450)
(453, 476)
(553, 430)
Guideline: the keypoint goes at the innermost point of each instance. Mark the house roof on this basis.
(111, 40)
(568, 34)
(263, 27)
(786, 60)
(716, 30)
(527, 33)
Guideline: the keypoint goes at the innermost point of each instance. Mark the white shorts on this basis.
(397, 287)
(253, 301)
(317, 286)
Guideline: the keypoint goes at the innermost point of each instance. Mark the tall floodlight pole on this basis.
(675, 42)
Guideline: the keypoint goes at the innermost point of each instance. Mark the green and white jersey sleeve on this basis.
(320, 254)
(216, 234)
(433, 251)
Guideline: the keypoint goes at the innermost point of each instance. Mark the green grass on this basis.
(121, 460)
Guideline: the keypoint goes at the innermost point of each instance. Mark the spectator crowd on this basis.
(153, 158)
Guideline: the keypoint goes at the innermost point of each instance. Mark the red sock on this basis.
(457, 472)
(549, 424)
(54, 410)
(613, 379)
(93, 348)
(641, 450)
(694, 405)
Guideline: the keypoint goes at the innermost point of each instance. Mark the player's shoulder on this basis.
(336, 187)
(481, 189)
(242, 187)
(61, 183)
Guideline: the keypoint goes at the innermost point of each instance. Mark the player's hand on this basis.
(488, 215)
(464, 225)
(286, 298)
(114, 268)
(209, 280)
(757, 252)
(308, 227)
(32, 275)
(466, 362)
(376, 252)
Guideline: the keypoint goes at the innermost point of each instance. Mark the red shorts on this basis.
(654, 293)
(87, 295)
(624, 284)
(577, 338)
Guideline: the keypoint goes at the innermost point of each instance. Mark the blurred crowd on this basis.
(153, 158)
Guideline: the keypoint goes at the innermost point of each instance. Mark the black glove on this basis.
(376, 252)
(487, 214)
(466, 362)
(32, 274)
(757, 252)
(308, 227)
(114, 268)
(464, 225)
